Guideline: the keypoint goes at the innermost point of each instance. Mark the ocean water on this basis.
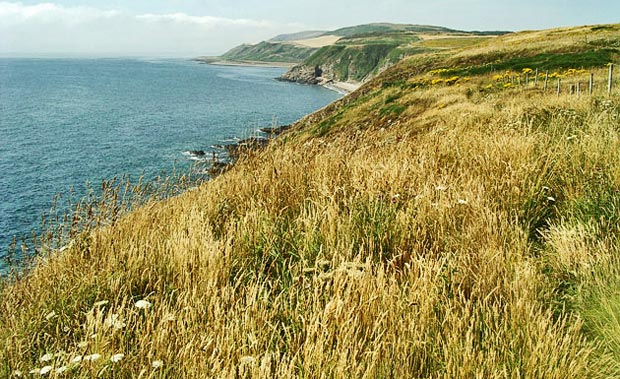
(64, 122)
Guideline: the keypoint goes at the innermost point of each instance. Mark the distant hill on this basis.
(364, 51)
(386, 28)
(354, 53)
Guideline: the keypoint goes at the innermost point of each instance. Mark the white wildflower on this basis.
(34, 371)
(462, 202)
(77, 359)
(61, 369)
(50, 315)
(17, 373)
(157, 364)
(93, 336)
(142, 304)
(551, 198)
(92, 357)
(46, 358)
(114, 321)
(45, 370)
(117, 357)
(83, 344)
(441, 188)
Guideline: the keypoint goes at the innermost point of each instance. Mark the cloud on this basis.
(52, 28)
(208, 21)
(14, 13)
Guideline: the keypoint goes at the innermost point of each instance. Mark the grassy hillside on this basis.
(444, 221)
(269, 52)
(364, 51)
(358, 56)
(290, 48)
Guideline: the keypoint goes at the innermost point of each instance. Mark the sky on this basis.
(186, 28)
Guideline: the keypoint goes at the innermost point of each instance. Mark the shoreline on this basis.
(344, 88)
(217, 61)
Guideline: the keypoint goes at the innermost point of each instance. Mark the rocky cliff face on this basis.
(306, 74)
(343, 63)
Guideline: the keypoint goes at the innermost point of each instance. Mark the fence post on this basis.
(591, 83)
(611, 78)
(559, 86)
(578, 88)
(527, 79)
(546, 80)
(536, 79)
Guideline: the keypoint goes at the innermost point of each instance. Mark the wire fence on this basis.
(575, 82)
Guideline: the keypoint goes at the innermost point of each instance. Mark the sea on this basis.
(68, 122)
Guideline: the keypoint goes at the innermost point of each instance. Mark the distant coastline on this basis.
(341, 87)
(218, 61)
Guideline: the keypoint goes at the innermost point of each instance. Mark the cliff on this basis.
(343, 63)
(269, 52)
(365, 51)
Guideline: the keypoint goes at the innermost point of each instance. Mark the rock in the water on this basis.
(198, 153)
(275, 131)
(245, 145)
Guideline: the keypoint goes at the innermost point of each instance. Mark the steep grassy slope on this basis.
(359, 57)
(426, 226)
(269, 52)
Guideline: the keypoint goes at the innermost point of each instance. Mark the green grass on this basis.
(543, 61)
(269, 52)
(351, 62)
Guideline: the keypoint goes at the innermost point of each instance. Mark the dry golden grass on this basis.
(560, 39)
(441, 232)
(316, 41)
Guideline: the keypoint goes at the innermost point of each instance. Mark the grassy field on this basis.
(421, 227)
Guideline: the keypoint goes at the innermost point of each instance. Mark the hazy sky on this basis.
(209, 27)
